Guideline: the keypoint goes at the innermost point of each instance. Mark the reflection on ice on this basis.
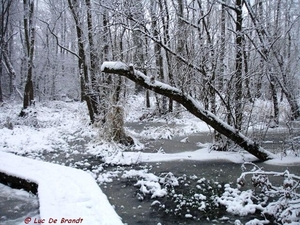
(16, 205)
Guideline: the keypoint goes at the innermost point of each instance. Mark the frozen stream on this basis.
(275, 140)
(133, 210)
(16, 205)
(124, 195)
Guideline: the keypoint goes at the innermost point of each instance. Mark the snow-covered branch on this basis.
(278, 204)
(190, 104)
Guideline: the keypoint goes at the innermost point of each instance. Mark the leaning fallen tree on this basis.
(190, 104)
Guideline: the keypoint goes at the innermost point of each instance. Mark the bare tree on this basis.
(225, 53)
(166, 23)
(29, 34)
(94, 67)
(82, 61)
(239, 65)
(267, 50)
(5, 38)
(159, 65)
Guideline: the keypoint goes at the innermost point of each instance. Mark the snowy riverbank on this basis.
(59, 131)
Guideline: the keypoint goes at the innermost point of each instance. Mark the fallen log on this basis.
(190, 104)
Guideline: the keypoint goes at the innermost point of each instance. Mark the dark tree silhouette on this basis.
(29, 33)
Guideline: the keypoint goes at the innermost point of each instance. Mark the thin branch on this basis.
(226, 5)
(57, 40)
(202, 18)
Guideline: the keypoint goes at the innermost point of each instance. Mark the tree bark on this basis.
(163, 5)
(93, 60)
(161, 103)
(29, 32)
(274, 96)
(10, 69)
(135, 7)
(82, 64)
(190, 104)
(239, 66)
(222, 48)
(1, 95)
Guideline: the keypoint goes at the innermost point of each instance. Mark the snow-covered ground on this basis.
(56, 127)
(66, 195)
(59, 126)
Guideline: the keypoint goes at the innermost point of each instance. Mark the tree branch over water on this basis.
(190, 104)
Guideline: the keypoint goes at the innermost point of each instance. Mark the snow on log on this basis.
(190, 104)
(65, 194)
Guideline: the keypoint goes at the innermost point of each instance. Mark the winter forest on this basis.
(87, 77)
(225, 54)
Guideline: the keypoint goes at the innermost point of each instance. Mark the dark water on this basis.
(16, 205)
(134, 211)
(125, 196)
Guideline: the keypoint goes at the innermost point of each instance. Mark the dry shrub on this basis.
(114, 126)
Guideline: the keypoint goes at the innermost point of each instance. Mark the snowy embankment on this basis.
(66, 195)
(59, 128)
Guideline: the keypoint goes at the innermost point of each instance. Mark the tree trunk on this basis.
(1, 95)
(190, 104)
(238, 65)
(93, 61)
(180, 43)
(274, 96)
(137, 39)
(161, 102)
(117, 94)
(10, 69)
(222, 48)
(29, 32)
(1, 70)
(82, 65)
(167, 41)
(107, 82)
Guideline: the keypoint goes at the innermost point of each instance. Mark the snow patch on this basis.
(150, 183)
(63, 192)
(115, 65)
